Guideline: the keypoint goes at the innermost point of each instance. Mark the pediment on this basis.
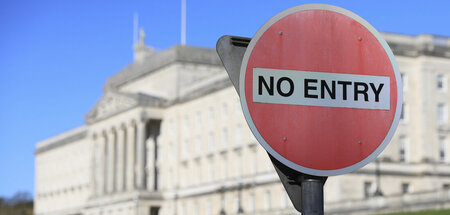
(114, 102)
(110, 104)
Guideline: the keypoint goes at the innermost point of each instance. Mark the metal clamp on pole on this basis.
(312, 194)
(305, 191)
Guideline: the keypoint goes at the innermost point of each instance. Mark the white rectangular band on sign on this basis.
(321, 89)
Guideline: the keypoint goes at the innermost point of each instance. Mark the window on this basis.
(224, 111)
(186, 148)
(184, 209)
(186, 125)
(224, 137)
(442, 113)
(367, 189)
(211, 141)
(210, 211)
(441, 83)
(198, 119)
(404, 113)
(445, 186)
(224, 168)
(170, 178)
(211, 170)
(198, 145)
(238, 134)
(171, 127)
(186, 122)
(251, 204)
(171, 150)
(236, 203)
(237, 165)
(404, 81)
(224, 203)
(268, 204)
(443, 157)
(284, 199)
(403, 149)
(211, 116)
(255, 162)
(405, 188)
(196, 208)
(198, 171)
(237, 106)
(252, 138)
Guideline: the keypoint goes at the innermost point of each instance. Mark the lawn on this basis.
(430, 212)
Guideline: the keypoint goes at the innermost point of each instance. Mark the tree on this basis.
(21, 203)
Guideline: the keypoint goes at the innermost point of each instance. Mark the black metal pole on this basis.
(312, 194)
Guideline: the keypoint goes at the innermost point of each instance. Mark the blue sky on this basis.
(56, 55)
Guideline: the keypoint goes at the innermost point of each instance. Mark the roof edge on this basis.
(62, 139)
(158, 60)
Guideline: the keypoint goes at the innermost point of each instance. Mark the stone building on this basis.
(168, 137)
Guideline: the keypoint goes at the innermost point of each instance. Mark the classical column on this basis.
(111, 161)
(140, 156)
(131, 148)
(101, 160)
(120, 159)
(94, 165)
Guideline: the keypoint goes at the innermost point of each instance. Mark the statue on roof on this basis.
(141, 51)
(141, 36)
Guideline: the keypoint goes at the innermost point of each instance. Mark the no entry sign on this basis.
(320, 90)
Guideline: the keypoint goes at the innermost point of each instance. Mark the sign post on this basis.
(320, 90)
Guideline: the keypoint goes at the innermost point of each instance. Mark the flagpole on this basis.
(183, 22)
(135, 28)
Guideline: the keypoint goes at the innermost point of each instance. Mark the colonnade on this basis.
(119, 158)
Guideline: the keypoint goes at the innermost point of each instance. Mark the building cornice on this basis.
(407, 169)
(156, 61)
(79, 134)
(421, 45)
(122, 197)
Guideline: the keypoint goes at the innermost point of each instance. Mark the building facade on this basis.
(168, 137)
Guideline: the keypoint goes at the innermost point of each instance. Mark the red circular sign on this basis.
(320, 89)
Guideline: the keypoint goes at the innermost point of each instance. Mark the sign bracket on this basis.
(305, 191)
(231, 50)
